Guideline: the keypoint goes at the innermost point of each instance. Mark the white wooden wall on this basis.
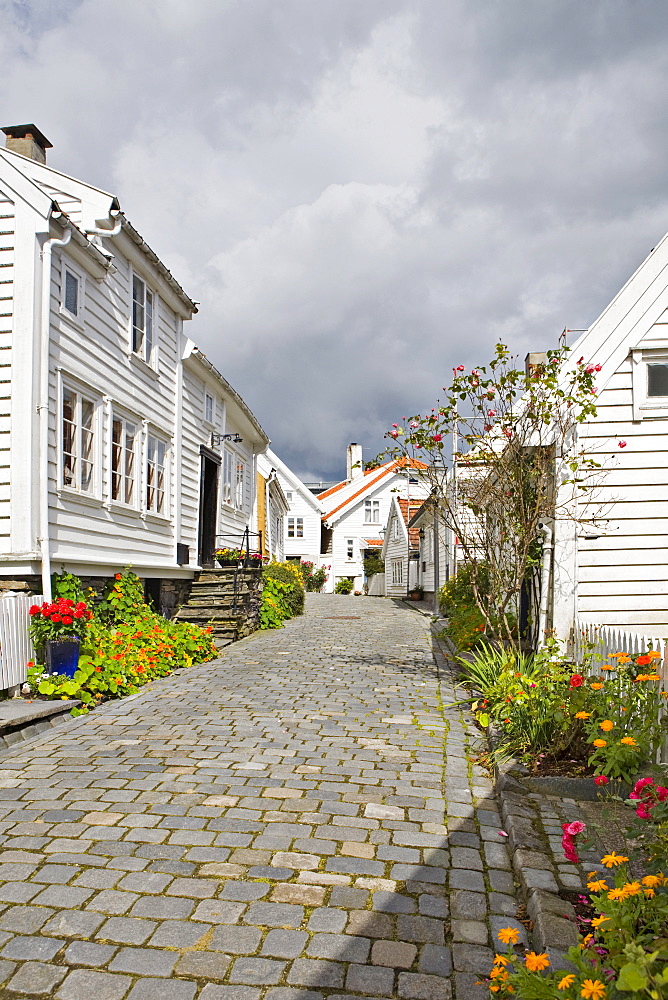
(7, 240)
(16, 647)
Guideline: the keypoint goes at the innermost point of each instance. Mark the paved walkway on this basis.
(298, 820)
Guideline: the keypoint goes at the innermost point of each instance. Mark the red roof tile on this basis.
(383, 471)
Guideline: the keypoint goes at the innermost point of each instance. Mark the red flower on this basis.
(576, 681)
(67, 620)
(35, 609)
(55, 618)
(98, 670)
(119, 576)
(600, 779)
(571, 830)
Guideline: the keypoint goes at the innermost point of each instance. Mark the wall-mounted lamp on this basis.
(217, 438)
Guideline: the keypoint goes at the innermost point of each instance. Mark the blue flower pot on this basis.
(62, 656)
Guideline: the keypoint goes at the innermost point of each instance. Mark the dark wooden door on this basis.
(208, 510)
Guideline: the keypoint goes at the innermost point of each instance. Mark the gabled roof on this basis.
(367, 483)
(408, 508)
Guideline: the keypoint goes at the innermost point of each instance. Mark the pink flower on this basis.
(460, 368)
(643, 811)
(491, 413)
(394, 434)
(571, 830)
(621, 444)
(507, 431)
(661, 793)
(600, 779)
(395, 425)
(437, 437)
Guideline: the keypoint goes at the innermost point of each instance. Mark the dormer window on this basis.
(143, 317)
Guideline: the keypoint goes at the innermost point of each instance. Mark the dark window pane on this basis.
(71, 293)
(657, 380)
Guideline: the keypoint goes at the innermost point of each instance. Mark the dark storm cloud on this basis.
(361, 195)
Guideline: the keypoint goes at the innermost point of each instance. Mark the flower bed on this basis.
(603, 720)
(124, 644)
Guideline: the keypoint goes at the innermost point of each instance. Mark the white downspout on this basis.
(108, 232)
(548, 545)
(43, 408)
(267, 517)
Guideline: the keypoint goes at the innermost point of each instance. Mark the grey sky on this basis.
(361, 193)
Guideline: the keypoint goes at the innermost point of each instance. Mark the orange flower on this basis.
(629, 741)
(654, 654)
(596, 686)
(642, 661)
(536, 963)
(508, 935)
(566, 981)
(606, 725)
(598, 885)
(612, 859)
(583, 715)
(600, 743)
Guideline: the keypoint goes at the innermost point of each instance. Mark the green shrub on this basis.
(466, 624)
(344, 586)
(314, 579)
(274, 604)
(373, 564)
(290, 574)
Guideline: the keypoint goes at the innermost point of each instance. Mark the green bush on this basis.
(344, 586)
(314, 579)
(274, 606)
(466, 624)
(290, 574)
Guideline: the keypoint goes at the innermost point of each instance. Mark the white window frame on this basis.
(123, 472)
(209, 410)
(288, 495)
(147, 350)
(372, 511)
(227, 478)
(76, 318)
(644, 405)
(239, 483)
(80, 437)
(295, 527)
(152, 472)
(350, 549)
(395, 528)
(397, 572)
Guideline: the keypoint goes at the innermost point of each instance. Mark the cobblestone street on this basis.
(298, 819)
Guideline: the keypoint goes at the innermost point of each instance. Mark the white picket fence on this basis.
(16, 647)
(377, 585)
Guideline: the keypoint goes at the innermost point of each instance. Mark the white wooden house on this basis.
(111, 421)
(615, 572)
(401, 547)
(437, 550)
(356, 512)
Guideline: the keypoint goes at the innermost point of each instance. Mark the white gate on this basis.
(16, 647)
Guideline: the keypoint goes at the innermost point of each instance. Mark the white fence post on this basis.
(16, 646)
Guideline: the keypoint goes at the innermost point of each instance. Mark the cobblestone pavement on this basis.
(297, 820)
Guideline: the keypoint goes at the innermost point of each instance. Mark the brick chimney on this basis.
(354, 467)
(28, 141)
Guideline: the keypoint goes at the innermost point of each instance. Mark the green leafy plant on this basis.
(343, 585)
(314, 579)
(275, 603)
(373, 564)
(290, 574)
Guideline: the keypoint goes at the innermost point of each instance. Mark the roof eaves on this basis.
(359, 492)
(157, 263)
(202, 358)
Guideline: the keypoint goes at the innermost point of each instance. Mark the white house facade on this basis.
(356, 512)
(104, 413)
(301, 526)
(401, 547)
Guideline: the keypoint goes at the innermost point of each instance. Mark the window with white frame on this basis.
(239, 484)
(397, 571)
(295, 527)
(395, 528)
(649, 381)
(208, 407)
(124, 444)
(350, 548)
(372, 511)
(156, 475)
(288, 496)
(227, 479)
(77, 441)
(143, 320)
(657, 379)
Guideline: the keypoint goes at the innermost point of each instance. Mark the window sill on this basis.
(71, 319)
(148, 515)
(143, 366)
(89, 499)
(123, 508)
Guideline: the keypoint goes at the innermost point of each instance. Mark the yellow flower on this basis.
(629, 741)
(649, 893)
(596, 686)
(566, 981)
(653, 677)
(600, 743)
(631, 889)
(501, 960)
(616, 894)
(643, 677)
(612, 859)
(593, 989)
(536, 963)
(606, 725)
(498, 972)
(598, 885)
(606, 666)
(655, 654)
(597, 921)
(510, 935)
(583, 715)
(652, 880)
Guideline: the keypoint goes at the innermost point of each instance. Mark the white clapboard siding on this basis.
(377, 585)
(16, 647)
(7, 245)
